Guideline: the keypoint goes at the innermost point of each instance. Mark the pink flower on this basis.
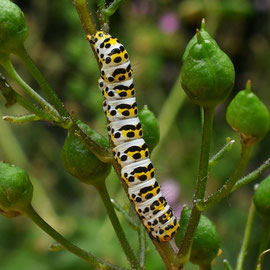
(169, 23)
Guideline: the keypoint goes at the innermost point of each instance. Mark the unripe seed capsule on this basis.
(13, 28)
(150, 127)
(206, 242)
(262, 198)
(248, 115)
(207, 74)
(80, 162)
(16, 190)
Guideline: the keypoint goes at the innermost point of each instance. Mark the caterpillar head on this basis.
(100, 35)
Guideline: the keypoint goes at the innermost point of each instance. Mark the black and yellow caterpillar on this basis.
(125, 131)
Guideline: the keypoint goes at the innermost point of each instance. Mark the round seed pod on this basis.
(248, 115)
(13, 28)
(207, 74)
(80, 162)
(16, 190)
(262, 198)
(150, 127)
(206, 242)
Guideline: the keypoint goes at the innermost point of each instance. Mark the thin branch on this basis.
(184, 252)
(97, 262)
(252, 176)
(225, 190)
(127, 217)
(217, 157)
(244, 247)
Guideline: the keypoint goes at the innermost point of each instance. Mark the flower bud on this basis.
(248, 115)
(207, 74)
(150, 127)
(80, 162)
(13, 28)
(16, 190)
(206, 242)
(262, 198)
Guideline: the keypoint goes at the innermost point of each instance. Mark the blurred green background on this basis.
(155, 33)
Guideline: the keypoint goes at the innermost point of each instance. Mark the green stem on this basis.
(117, 226)
(168, 114)
(252, 176)
(97, 262)
(264, 239)
(86, 21)
(244, 247)
(9, 92)
(213, 161)
(109, 11)
(31, 92)
(142, 246)
(225, 190)
(185, 247)
(43, 83)
(227, 265)
(21, 119)
(128, 218)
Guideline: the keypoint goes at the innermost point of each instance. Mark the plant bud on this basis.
(80, 162)
(262, 198)
(13, 28)
(206, 242)
(207, 74)
(150, 127)
(16, 190)
(247, 115)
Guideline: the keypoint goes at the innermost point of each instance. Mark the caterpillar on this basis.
(125, 131)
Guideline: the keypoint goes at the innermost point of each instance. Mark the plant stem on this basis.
(9, 93)
(86, 21)
(102, 190)
(244, 247)
(31, 92)
(227, 187)
(264, 239)
(127, 217)
(227, 265)
(142, 246)
(43, 83)
(259, 265)
(183, 254)
(109, 11)
(97, 262)
(252, 176)
(21, 119)
(221, 152)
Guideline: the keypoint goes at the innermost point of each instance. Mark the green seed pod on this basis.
(207, 74)
(16, 190)
(150, 127)
(248, 115)
(80, 162)
(206, 242)
(262, 198)
(204, 34)
(13, 28)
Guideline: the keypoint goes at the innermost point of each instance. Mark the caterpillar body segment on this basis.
(125, 131)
